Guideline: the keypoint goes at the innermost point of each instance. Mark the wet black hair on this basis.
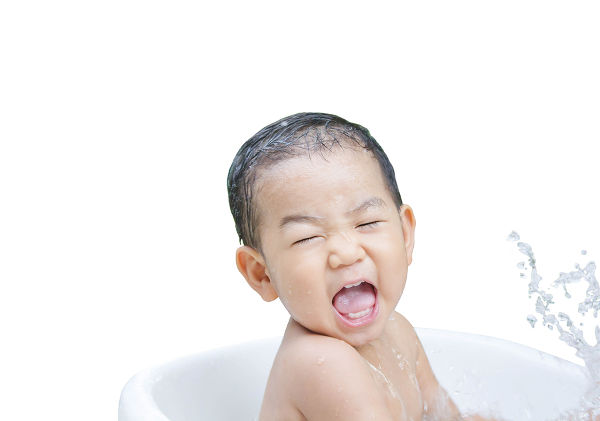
(296, 135)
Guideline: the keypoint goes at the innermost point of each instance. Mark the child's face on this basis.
(354, 233)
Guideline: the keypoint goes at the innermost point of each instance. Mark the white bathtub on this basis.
(480, 373)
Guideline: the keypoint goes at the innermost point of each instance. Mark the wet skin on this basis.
(327, 222)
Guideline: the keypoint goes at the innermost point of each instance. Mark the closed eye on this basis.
(306, 240)
(369, 224)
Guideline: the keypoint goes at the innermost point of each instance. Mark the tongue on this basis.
(354, 299)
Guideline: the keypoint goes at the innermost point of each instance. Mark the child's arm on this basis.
(329, 380)
(439, 405)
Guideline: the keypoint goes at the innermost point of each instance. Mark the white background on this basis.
(119, 119)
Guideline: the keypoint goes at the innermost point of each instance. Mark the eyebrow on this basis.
(372, 202)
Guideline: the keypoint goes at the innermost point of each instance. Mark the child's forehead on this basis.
(316, 176)
(307, 162)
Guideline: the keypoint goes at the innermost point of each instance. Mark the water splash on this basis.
(393, 391)
(568, 331)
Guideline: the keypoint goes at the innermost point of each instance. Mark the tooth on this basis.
(354, 285)
(359, 314)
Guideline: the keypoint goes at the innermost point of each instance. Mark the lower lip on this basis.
(361, 321)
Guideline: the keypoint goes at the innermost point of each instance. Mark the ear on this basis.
(408, 230)
(252, 266)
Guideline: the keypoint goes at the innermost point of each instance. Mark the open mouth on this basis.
(356, 304)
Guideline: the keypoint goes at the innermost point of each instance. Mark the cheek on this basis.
(389, 246)
(294, 280)
(396, 246)
(391, 260)
(304, 287)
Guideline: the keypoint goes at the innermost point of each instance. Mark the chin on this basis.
(363, 338)
(358, 342)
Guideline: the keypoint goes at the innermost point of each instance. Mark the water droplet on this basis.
(513, 236)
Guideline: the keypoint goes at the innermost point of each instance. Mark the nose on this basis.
(345, 250)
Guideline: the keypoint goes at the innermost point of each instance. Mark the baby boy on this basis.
(317, 208)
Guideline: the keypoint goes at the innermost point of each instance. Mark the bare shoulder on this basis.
(399, 322)
(405, 332)
(327, 378)
(439, 405)
(401, 329)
